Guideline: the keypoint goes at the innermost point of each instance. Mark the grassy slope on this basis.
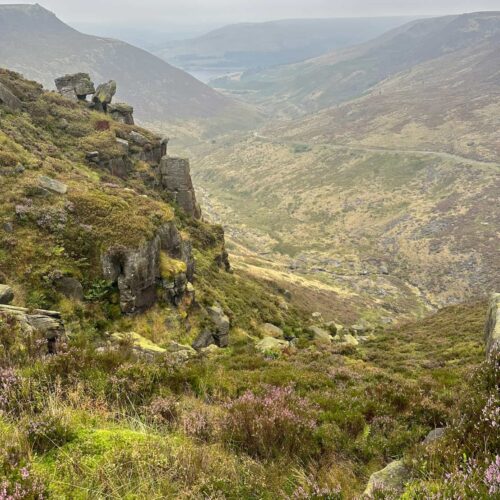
(337, 213)
(373, 404)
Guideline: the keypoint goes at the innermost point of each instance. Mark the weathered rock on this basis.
(316, 316)
(392, 478)
(320, 334)
(52, 185)
(222, 325)
(434, 435)
(8, 100)
(350, 340)
(270, 344)
(140, 344)
(138, 138)
(271, 330)
(75, 86)
(69, 287)
(203, 340)
(211, 350)
(136, 272)
(121, 112)
(6, 294)
(175, 179)
(46, 323)
(104, 95)
(492, 327)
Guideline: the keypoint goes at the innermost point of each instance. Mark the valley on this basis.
(280, 285)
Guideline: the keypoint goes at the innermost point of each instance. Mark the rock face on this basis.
(46, 323)
(6, 294)
(9, 100)
(121, 112)
(271, 330)
(79, 86)
(137, 271)
(69, 287)
(391, 478)
(175, 179)
(492, 328)
(75, 86)
(104, 95)
(222, 325)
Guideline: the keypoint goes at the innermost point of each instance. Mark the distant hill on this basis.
(34, 42)
(243, 46)
(349, 73)
(404, 170)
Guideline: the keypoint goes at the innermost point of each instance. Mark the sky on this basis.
(161, 13)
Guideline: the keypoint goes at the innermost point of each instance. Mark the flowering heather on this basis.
(492, 476)
(9, 382)
(277, 421)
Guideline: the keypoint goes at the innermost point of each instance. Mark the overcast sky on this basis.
(193, 12)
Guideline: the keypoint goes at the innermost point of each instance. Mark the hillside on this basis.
(37, 44)
(244, 46)
(134, 363)
(349, 73)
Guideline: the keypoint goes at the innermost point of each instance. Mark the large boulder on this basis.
(52, 185)
(175, 179)
(46, 323)
(492, 327)
(271, 330)
(104, 95)
(204, 339)
(390, 480)
(320, 334)
(136, 272)
(121, 112)
(75, 86)
(9, 100)
(270, 344)
(69, 287)
(6, 294)
(222, 325)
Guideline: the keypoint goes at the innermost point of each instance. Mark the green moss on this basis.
(170, 267)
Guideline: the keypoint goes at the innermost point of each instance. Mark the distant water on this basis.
(205, 75)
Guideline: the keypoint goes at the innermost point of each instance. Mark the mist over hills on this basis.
(34, 42)
(349, 73)
(243, 46)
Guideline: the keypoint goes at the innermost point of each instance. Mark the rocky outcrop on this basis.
(46, 323)
(6, 294)
(104, 95)
(217, 333)
(492, 327)
(75, 86)
(79, 85)
(121, 112)
(137, 271)
(175, 180)
(8, 100)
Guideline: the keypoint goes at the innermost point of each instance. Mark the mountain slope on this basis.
(256, 45)
(406, 174)
(343, 75)
(37, 44)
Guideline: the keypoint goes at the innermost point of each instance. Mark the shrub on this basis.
(46, 432)
(273, 423)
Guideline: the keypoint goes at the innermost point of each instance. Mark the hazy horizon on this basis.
(179, 15)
